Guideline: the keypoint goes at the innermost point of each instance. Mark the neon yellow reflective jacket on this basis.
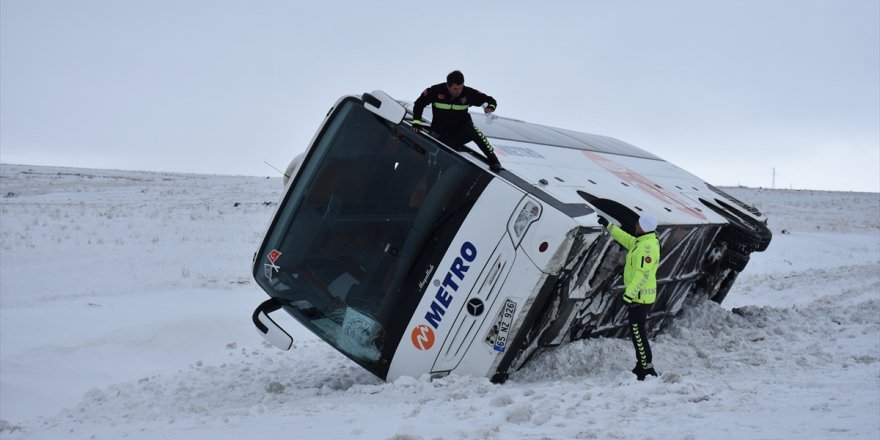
(640, 271)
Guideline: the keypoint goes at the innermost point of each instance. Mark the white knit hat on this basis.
(648, 222)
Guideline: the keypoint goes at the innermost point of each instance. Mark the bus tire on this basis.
(735, 260)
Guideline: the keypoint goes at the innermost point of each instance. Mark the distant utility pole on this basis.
(773, 181)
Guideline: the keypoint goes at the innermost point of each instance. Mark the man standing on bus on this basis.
(451, 120)
(640, 279)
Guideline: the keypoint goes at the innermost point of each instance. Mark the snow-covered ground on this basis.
(125, 303)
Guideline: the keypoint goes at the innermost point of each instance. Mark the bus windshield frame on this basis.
(365, 222)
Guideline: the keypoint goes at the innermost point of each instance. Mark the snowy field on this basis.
(125, 304)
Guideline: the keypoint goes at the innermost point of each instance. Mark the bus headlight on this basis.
(529, 212)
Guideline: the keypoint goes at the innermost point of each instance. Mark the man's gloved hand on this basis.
(603, 221)
(495, 167)
(417, 128)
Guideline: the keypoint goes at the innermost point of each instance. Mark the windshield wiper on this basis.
(399, 134)
(421, 235)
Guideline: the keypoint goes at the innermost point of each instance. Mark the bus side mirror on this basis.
(385, 106)
(268, 328)
(293, 168)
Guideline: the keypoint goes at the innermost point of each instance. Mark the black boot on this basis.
(641, 373)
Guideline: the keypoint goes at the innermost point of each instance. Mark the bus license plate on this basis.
(506, 319)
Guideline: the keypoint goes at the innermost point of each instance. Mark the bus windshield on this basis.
(367, 218)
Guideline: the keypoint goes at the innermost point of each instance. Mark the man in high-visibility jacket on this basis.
(451, 121)
(640, 279)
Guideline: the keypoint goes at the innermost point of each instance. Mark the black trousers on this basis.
(457, 137)
(638, 315)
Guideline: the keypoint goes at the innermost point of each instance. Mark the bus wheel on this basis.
(735, 260)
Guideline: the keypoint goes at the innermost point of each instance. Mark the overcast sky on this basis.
(727, 90)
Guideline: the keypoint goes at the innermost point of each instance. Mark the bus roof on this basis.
(516, 130)
(521, 131)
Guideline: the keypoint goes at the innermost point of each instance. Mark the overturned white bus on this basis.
(412, 258)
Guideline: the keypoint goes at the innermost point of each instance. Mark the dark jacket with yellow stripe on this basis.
(449, 113)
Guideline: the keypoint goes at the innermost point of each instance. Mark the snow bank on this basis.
(125, 301)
